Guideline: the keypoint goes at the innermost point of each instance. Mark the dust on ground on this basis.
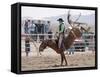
(51, 60)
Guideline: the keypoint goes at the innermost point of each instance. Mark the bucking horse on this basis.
(74, 33)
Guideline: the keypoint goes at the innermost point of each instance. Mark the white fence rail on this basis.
(88, 41)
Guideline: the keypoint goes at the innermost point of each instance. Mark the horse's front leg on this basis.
(64, 59)
(61, 59)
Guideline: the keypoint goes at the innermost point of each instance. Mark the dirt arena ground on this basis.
(51, 60)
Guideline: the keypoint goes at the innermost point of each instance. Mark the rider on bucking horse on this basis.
(61, 34)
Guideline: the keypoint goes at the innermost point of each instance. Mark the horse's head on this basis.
(43, 45)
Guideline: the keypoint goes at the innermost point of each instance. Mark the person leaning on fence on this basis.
(61, 33)
(26, 27)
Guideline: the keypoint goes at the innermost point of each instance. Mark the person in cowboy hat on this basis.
(61, 33)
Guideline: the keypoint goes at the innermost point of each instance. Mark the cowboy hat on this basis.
(60, 19)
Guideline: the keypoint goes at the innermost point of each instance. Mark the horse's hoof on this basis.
(61, 65)
(66, 64)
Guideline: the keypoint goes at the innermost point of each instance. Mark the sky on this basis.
(41, 12)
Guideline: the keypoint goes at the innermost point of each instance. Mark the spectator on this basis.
(26, 27)
(32, 28)
(47, 26)
(50, 35)
(71, 50)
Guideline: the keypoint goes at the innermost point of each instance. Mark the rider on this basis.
(61, 33)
